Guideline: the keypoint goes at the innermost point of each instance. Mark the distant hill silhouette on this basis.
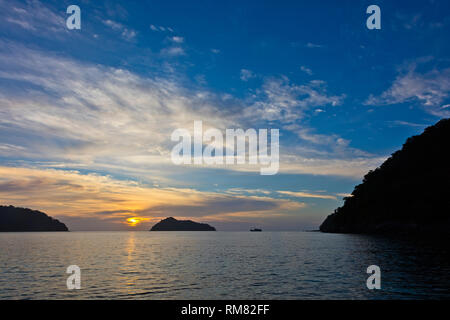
(408, 193)
(22, 219)
(172, 224)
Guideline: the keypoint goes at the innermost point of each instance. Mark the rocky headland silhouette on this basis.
(13, 219)
(172, 224)
(408, 194)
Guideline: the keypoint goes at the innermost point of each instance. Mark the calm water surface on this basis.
(218, 265)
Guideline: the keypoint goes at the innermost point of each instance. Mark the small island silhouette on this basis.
(13, 219)
(408, 194)
(172, 224)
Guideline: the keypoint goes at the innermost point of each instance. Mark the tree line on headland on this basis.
(408, 193)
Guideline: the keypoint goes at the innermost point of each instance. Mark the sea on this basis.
(220, 265)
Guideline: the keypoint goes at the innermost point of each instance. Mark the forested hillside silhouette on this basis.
(22, 219)
(408, 193)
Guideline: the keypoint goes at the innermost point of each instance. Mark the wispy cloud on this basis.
(177, 39)
(311, 45)
(306, 70)
(430, 89)
(248, 191)
(408, 124)
(160, 28)
(410, 21)
(95, 112)
(102, 118)
(344, 195)
(300, 194)
(246, 74)
(108, 203)
(34, 17)
(126, 33)
(349, 166)
(173, 51)
(281, 100)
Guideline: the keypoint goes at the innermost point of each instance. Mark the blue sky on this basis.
(86, 115)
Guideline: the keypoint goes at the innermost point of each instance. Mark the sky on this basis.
(86, 116)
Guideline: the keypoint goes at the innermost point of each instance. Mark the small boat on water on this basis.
(255, 230)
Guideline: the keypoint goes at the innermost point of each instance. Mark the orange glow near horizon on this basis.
(134, 221)
(110, 204)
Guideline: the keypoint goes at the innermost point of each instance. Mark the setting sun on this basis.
(134, 221)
